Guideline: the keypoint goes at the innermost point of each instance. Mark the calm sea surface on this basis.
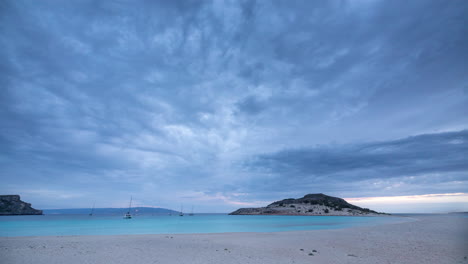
(58, 225)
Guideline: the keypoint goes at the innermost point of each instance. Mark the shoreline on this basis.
(427, 239)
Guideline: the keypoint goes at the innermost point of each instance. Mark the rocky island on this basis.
(12, 205)
(310, 204)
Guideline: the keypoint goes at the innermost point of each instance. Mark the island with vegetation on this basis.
(310, 204)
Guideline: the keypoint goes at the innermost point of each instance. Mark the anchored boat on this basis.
(181, 213)
(128, 215)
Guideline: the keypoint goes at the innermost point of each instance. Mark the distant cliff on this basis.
(311, 204)
(12, 205)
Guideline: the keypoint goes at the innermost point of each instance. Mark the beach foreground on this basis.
(430, 239)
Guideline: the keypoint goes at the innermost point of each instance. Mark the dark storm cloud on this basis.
(413, 156)
(172, 96)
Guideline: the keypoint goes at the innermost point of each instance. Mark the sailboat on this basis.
(191, 213)
(181, 211)
(128, 215)
(92, 210)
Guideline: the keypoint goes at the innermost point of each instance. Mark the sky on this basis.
(228, 104)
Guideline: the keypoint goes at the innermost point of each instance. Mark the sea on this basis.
(66, 225)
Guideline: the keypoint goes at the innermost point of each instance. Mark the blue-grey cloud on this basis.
(439, 158)
(172, 99)
(432, 153)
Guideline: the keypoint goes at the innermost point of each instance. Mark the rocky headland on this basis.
(12, 205)
(310, 204)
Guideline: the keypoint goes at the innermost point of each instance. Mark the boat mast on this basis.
(130, 206)
(92, 210)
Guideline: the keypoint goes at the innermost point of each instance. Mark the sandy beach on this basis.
(427, 239)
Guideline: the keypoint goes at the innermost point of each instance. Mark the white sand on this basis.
(431, 239)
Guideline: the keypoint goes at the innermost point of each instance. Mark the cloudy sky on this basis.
(227, 104)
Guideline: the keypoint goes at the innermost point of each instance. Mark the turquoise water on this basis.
(59, 225)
